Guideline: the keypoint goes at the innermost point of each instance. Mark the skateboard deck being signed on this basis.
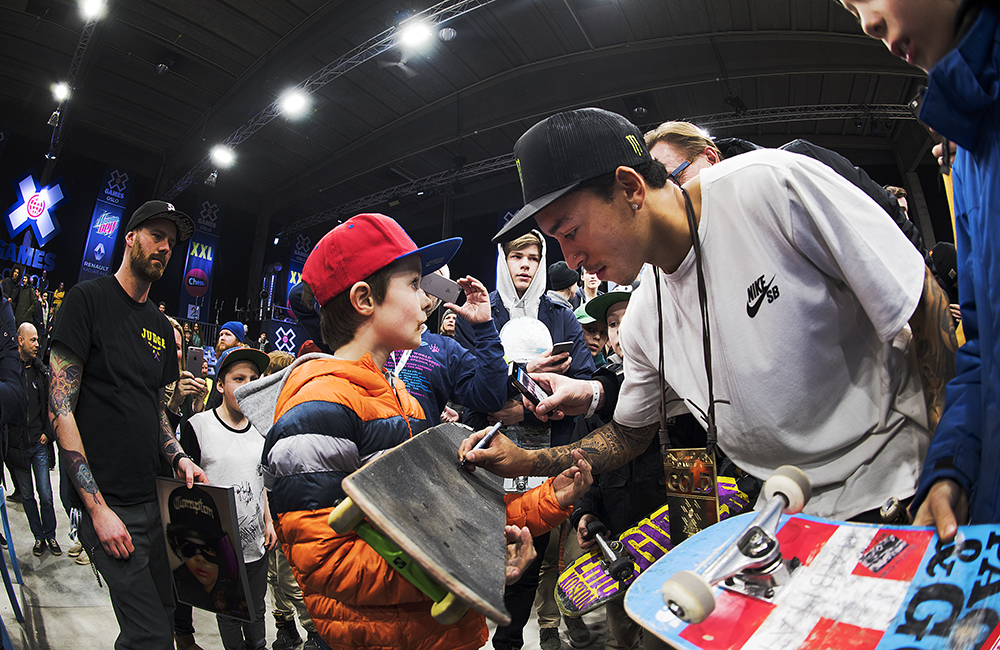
(448, 521)
(585, 584)
(862, 587)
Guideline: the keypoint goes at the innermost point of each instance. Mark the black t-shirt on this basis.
(128, 354)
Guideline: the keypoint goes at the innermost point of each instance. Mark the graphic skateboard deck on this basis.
(585, 585)
(422, 510)
(859, 586)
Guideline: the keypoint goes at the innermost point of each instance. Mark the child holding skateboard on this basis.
(227, 446)
(333, 413)
(956, 44)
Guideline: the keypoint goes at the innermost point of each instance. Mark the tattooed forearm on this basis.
(936, 343)
(169, 446)
(64, 387)
(79, 473)
(609, 447)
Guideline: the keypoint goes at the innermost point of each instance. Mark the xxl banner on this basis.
(300, 251)
(196, 291)
(104, 223)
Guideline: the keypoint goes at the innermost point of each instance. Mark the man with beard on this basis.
(112, 427)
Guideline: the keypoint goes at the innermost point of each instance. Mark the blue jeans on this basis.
(43, 527)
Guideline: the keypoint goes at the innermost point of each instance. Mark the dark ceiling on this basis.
(380, 124)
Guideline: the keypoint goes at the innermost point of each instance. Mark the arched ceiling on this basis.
(379, 124)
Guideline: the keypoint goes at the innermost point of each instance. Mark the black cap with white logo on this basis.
(162, 210)
(557, 154)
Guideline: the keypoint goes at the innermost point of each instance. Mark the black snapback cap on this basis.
(557, 154)
(162, 210)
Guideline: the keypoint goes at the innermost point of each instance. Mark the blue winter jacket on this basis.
(961, 103)
(441, 370)
(563, 326)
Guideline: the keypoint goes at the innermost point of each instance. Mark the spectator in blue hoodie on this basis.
(956, 43)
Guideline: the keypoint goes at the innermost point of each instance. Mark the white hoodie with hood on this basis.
(526, 305)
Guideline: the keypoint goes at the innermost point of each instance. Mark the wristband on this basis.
(596, 386)
(177, 460)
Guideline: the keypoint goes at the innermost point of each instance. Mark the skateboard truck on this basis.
(618, 563)
(752, 564)
(347, 517)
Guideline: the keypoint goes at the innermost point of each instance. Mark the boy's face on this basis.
(241, 372)
(919, 31)
(400, 317)
(523, 264)
(614, 316)
(595, 335)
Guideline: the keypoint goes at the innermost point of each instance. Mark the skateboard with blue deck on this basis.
(835, 585)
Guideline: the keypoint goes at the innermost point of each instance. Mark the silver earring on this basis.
(635, 206)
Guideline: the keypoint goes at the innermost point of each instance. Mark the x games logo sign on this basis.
(35, 208)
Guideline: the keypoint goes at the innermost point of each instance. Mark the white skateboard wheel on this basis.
(791, 482)
(688, 596)
(345, 517)
(449, 610)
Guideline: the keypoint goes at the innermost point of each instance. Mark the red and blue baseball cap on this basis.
(362, 245)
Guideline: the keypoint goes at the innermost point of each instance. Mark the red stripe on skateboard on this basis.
(831, 634)
(735, 618)
(804, 539)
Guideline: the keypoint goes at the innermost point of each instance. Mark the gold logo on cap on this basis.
(634, 141)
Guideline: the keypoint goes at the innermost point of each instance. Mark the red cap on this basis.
(362, 245)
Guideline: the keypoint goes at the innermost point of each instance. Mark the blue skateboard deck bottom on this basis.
(860, 587)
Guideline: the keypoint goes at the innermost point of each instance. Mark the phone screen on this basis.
(527, 385)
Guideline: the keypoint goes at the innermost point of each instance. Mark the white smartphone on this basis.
(441, 287)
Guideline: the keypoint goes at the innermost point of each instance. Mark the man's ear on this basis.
(218, 384)
(130, 238)
(712, 155)
(362, 299)
(633, 185)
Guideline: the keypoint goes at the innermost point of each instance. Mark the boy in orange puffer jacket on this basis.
(334, 413)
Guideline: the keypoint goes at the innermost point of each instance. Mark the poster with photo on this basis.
(203, 546)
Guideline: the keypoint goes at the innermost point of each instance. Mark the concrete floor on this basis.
(65, 608)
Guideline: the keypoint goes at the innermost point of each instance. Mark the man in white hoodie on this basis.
(521, 293)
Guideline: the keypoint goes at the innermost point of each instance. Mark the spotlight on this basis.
(857, 123)
(223, 156)
(54, 118)
(447, 33)
(60, 91)
(162, 69)
(276, 241)
(92, 9)
(415, 34)
(640, 111)
(212, 178)
(293, 103)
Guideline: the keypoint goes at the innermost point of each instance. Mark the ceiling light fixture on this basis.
(223, 156)
(60, 91)
(54, 118)
(293, 103)
(92, 9)
(415, 33)
(447, 33)
(212, 178)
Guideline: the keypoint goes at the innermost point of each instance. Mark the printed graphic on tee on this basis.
(156, 342)
(759, 290)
